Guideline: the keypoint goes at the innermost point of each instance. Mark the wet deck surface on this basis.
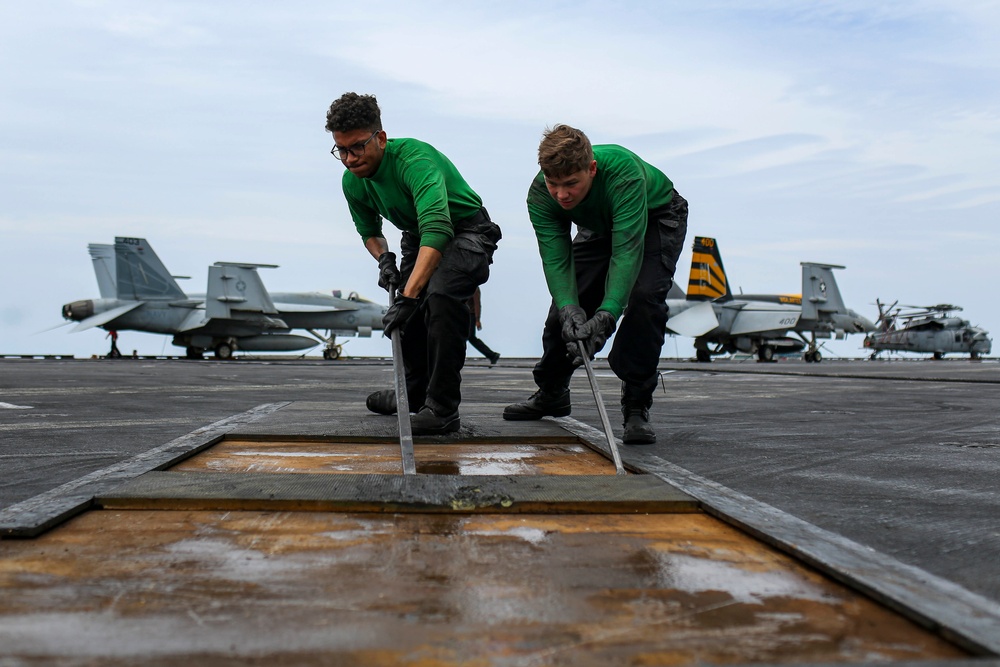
(434, 459)
(418, 589)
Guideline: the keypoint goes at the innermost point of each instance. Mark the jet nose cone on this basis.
(864, 324)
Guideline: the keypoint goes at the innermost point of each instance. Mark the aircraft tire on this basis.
(704, 356)
(765, 353)
(331, 353)
(224, 351)
(817, 357)
(938, 356)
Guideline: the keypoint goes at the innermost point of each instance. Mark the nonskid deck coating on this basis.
(322, 588)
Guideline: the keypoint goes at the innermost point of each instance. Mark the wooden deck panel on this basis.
(398, 493)
(185, 587)
(465, 458)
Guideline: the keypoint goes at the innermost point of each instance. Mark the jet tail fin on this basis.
(820, 293)
(707, 281)
(139, 273)
(103, 256)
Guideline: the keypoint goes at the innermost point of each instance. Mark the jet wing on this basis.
(694, 320)
(754, 317)
(105, 317)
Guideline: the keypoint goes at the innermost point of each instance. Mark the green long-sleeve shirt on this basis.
(417, 189)
(624, 190)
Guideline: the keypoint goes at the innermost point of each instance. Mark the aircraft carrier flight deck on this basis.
(900, 458)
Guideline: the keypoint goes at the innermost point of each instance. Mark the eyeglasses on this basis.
(341, 152)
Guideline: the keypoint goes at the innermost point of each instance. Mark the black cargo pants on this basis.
(435, 338)
(638, 341)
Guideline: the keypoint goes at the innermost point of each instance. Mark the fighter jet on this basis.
(928, 330)
(237, 312)
(765, 324)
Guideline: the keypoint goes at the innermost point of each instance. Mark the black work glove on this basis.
(591, 337)
(399, 313)
(388, 274)
(597, 330)
(571, 318)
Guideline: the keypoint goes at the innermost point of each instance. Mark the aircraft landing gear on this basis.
(224, 351)
(194, 353)
(812, 357)
(765, 353)
(704, 356)
(332, 350)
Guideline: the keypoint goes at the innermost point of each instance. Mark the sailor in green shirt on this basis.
(631, 225)
(447, 246)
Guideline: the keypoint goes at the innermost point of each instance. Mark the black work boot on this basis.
(635, 414)
(382, 402)
(541, 404)
(638, 430)
(428, 422)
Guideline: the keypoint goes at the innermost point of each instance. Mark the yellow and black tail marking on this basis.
(707, 281)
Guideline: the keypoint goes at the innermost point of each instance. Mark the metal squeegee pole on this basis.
(402, 400)
(615, 455)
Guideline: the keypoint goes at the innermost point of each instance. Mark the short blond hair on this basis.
(564, 150)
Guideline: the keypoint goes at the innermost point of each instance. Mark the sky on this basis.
(853, 133)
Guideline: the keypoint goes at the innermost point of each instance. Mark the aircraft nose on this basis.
(864, 324)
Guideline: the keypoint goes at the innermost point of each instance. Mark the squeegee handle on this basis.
(402, 400)
(612, 444)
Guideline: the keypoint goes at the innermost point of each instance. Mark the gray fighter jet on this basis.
(928, 330)
(765, 324)
(236, 313)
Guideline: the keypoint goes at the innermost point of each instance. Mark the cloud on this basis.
(868, 133)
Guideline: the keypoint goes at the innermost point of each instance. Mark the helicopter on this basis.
(926, 329)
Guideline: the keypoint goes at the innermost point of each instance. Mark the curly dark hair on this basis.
(354, 112)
